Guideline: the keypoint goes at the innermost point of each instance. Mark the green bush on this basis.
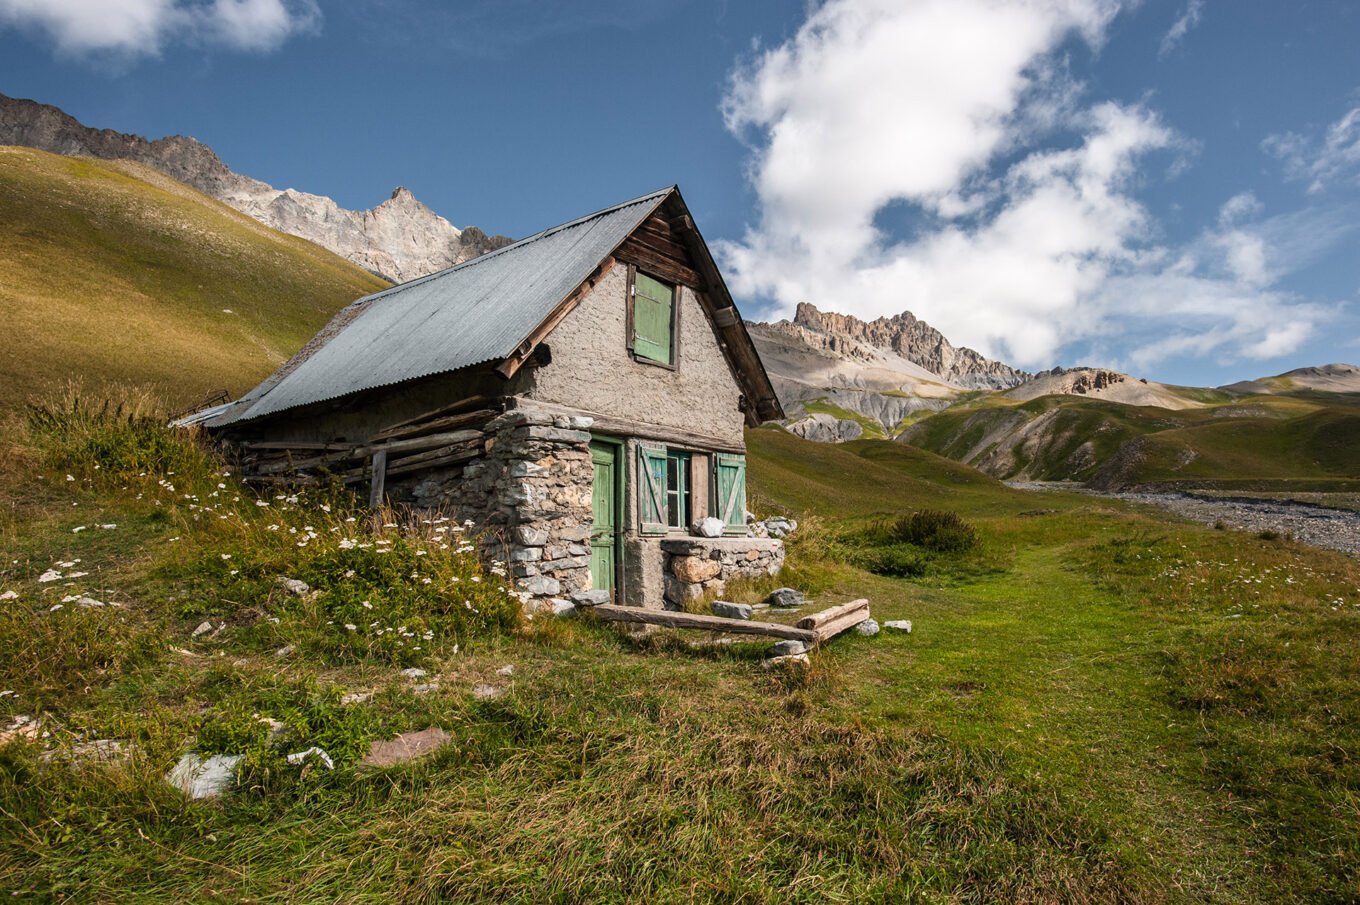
(895, 562)
(940, 532)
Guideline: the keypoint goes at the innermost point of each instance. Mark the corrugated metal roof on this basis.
(475, 312)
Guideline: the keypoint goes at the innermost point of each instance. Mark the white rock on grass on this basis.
(204, 777)
(293, 585)
(506, 670)
(414, 672)
(790, 661)
(405, 747)
(300, 757)
(788, 648)
(487, 692)
(898, 625)
(9, 595)
(731, 610)
(355, 697)
(868, 628)
(203, 628)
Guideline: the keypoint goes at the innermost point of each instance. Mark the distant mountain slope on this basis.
(1253, 441)
(840, 378)
(111, 271)
(1333, 378)
(400, 239)
(1112, 386)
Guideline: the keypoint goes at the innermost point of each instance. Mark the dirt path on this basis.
(1334, 529)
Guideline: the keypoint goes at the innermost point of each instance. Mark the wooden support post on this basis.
(375, 491)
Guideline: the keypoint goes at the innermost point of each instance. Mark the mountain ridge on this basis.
(399, 239)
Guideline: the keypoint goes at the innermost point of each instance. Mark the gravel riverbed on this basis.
(1334, 529)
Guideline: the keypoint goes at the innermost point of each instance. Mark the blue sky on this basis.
(1171, 187)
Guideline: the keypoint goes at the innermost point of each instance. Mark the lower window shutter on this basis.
(730, 478)
(651, 483)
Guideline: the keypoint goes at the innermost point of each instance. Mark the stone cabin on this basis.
(580, 396)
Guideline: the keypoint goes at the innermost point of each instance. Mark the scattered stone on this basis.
(21, 726)
(414, 672)
(203, 628)
(898, 625)
(294, 586)
(487, 692)
(284, 651)
(731, 610)
(105, 750)
(182, 652)
(356, 697)
(405, 747)
(9, 595)
(786, 598)
(300, 757)
(590, 598)
(709, 527)
(779, 527)
(868, 628)
(788, 648)
(506, 670)
(562, 607)
(204, 777)
(789, 661)
(425, 688)
(276, 727)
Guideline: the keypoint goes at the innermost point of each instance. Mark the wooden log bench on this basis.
(812, 630)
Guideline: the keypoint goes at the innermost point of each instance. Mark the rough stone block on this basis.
(786, 597)
(531, 535)
(788, 648)
(542, 586)
(868, 628)
(731, 610)
(526, 554)
(694, 569)
(898, 625)
(590, 598)
(552, 434)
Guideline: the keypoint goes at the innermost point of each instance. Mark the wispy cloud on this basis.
(1336, 158)
(129, 29)
(1024, 232)
(1194, 11)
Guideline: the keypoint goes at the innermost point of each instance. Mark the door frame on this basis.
(620, 489)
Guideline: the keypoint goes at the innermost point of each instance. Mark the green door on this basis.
(604, 505)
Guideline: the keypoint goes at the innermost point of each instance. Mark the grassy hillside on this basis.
(112, 272)
(1257, 441)
(1095, 705)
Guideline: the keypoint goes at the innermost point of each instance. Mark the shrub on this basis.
(895, 562)
(940, 532)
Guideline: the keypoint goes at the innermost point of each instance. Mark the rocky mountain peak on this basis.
(909, 337)
(399, 239)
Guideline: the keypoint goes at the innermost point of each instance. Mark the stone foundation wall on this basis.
(528, 497)
(695, 566)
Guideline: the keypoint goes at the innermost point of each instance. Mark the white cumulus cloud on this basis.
(936, 157)
(133, 28)
(1336, 158)
(1194, 11)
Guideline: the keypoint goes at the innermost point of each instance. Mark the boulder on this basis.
(898, 625)
(293, 585)
(562, 607)
(868, 628)
(204, 777)
(590, 598)
(695, 569)
(786, 597)
(731, 610)
(788, 648)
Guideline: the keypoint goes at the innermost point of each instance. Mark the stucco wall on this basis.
(592, 370)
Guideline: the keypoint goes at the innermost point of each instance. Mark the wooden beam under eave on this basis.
(511, 365)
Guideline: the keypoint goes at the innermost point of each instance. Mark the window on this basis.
(664, 493)
(677, 489)
(653, 320)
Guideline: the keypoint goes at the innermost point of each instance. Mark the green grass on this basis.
(119, 274)
(1095, 705)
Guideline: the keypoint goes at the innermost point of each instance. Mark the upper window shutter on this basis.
(651, 482)
(730, 478)
(653, 314)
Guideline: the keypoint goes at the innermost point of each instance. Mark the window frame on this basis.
(678, 461)
(676, 288)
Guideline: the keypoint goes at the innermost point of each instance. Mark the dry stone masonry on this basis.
(698, 566)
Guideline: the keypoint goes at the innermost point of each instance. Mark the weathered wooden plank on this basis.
(379, 479)
(627, 427)
(828, 630)
(437, 462)
(294, 444)
(434, 424)
(446, 409)
(450, 438)
(670, 619)
(814, 620)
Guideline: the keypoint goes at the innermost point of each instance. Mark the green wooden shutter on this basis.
(651, 484)
(653, 309)
(730, 478)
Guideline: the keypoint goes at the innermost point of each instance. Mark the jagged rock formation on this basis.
(826, 428)
(907, 336)
(400, 239)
